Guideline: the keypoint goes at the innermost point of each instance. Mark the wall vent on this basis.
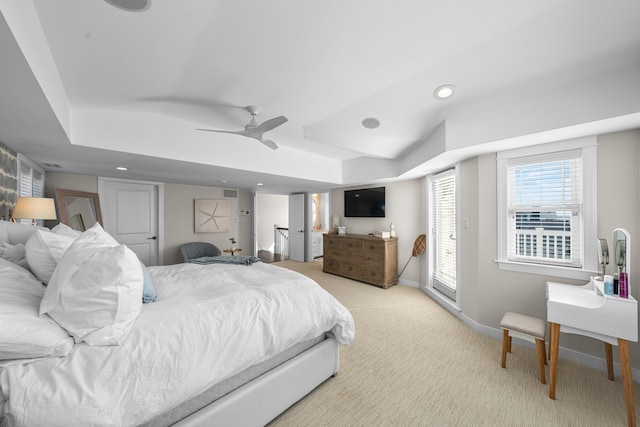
(231, 193)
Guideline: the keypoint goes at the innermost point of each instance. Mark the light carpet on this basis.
(414, 364)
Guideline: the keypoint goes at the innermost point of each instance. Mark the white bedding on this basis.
(208, 323)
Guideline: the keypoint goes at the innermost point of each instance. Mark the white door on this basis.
(443, 232)
(296, 227)
(130, 215)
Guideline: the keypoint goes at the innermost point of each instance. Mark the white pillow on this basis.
(44, 251)
(15, 232)
(96, 291)
(66, 230)
(14, 253)
(24, 335)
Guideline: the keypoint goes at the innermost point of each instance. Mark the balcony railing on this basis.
(543, 244)
(281, 242)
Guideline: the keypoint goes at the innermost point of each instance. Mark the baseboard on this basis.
(594, 362)
(410, 283)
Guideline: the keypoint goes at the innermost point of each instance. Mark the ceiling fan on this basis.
(255, 130)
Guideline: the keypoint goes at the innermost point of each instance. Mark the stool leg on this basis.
(540, 351)
(506, 341)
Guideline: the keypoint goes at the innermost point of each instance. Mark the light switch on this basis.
(465, 222)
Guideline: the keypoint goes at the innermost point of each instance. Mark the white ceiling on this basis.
(88, 86)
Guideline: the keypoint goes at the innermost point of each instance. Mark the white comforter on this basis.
(208, 323)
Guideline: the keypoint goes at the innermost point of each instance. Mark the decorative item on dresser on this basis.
(365, 258)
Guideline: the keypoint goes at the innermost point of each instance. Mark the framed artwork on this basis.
(211, 216)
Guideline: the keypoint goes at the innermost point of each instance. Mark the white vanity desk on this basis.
(586, 310)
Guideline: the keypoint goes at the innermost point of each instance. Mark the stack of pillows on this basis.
(95, 288)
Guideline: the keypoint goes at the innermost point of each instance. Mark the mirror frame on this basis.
(627, 248)
(61, 194)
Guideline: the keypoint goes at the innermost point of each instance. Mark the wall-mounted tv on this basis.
(364, 203)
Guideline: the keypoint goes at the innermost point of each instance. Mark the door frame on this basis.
(102, 182)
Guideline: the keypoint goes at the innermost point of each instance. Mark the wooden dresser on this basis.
(365, 258)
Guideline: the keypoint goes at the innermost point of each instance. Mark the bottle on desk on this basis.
(623, 285)
(608, 284)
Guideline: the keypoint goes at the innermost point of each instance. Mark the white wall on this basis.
(488, 292)
(405, 202)
(179, 217)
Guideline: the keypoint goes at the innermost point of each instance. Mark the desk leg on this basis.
(608, 353)
(554, 332)
(625, 366)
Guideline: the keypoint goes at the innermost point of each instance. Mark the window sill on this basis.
(547, 270)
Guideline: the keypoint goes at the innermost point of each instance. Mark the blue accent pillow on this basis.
(148, 291)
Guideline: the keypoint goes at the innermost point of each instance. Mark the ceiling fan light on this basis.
(130, 5)
(371, 123)
(444, 91)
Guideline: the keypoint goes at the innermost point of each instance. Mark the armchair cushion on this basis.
(197, 250)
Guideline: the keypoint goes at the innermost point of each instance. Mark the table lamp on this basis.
(34, 208)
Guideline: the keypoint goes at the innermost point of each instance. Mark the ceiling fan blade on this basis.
(269, 143)
(241, 132)
(271, 124)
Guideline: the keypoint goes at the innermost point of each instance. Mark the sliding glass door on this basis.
(443, 229)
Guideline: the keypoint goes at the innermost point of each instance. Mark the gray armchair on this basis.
(198, 249)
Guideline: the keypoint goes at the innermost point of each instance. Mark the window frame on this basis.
(588, 149)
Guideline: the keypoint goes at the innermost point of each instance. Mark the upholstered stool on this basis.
(527, 328)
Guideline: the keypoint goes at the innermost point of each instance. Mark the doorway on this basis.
(271, 225)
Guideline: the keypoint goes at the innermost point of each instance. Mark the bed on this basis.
(222, 344)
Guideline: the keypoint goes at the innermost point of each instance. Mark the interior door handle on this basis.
(152, 238)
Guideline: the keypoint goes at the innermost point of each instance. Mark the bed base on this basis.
(263, 399)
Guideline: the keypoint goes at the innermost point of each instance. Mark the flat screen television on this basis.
(364, 203)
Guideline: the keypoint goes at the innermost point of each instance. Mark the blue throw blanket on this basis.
(235, 259)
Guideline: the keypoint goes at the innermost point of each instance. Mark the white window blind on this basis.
(444, 230)
(545, 209)
(30, 181)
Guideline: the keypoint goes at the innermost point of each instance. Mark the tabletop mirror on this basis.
(621, 252)
(78, 209)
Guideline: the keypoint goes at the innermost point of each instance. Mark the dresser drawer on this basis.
(336, 252)
(331, 265)
(331, 241)
(351, 269)
(373, 247)
(372, 274)
(354, 246)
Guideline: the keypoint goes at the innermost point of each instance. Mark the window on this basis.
(30, 181)
(547, 207)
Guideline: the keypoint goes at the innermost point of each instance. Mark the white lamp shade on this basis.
(35, 208)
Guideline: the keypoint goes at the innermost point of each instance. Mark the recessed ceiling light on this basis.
(371, 123)
(122, 168)
(130, 5)
(444, 91)
(258, 183)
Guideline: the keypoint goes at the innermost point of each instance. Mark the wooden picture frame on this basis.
(72, 203)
